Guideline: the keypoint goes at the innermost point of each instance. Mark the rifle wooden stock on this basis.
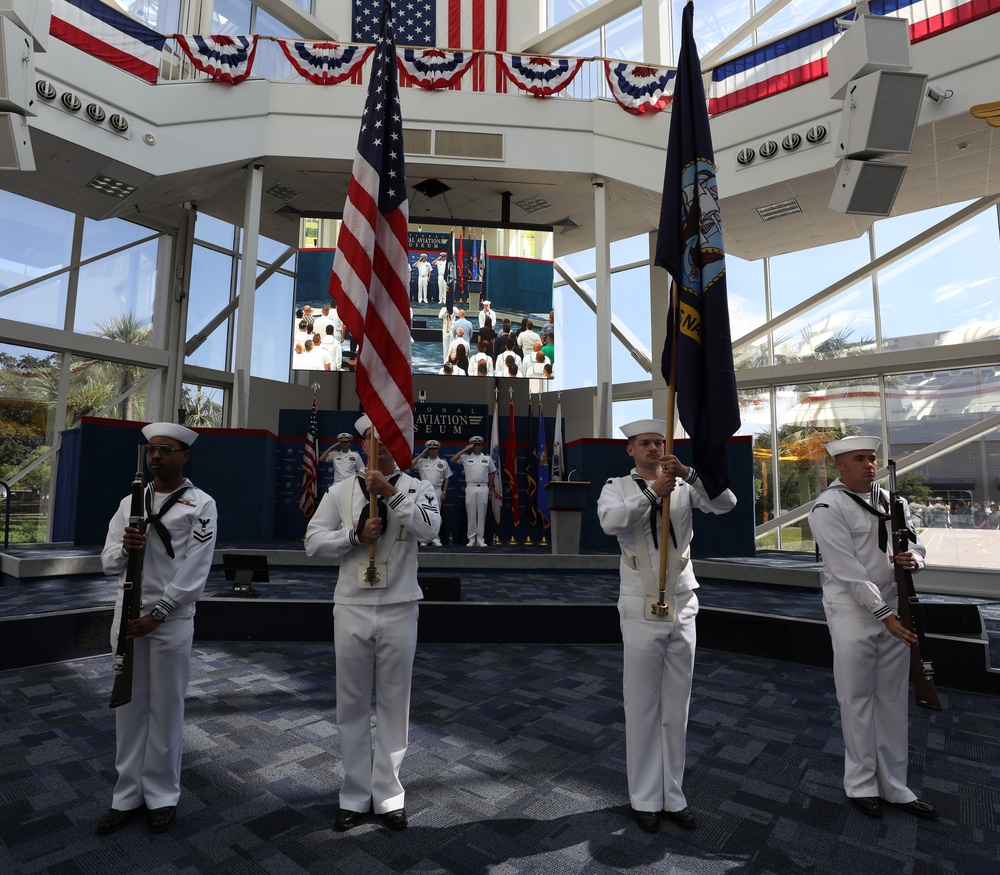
(911, 612)
(121, 690)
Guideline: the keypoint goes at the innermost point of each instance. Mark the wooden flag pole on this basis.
(660, 609)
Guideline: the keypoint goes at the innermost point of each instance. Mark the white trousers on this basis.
(423, 283)
(150, 728)
(476, 495)
(442, 291)
(659, 663)
(373, 643)
(871, 672)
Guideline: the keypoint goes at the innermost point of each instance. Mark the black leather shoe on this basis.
(347, 819)
(867, 805)
(918, 809)
(649, 821)
(114, 820)
(395, 820)
(161, 819)
(683, 818)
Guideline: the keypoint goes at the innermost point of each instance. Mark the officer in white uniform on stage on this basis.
(423, 267)
(659, 652)
(479, 472)
(436, 471)
(871, 658)
(346, 462)
(375, 625)
(179, 542)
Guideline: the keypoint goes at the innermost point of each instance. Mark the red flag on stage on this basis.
(371, 272)
(310, 465)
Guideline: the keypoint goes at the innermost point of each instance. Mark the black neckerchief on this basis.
(656, 508)
(153, 519)
(883, 517)
(380, 506)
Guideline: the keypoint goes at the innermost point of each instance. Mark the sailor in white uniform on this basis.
(375, 625)
(423, 267)
(871, 658)
(179, 542)
(346, 462)
(436, 471)
(479, 473)
(658, 652)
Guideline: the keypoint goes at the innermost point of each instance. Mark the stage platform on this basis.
(56, 605)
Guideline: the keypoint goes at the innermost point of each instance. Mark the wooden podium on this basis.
(566, 502)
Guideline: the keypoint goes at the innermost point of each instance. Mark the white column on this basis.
(657, 40)
(248, 291)
(602, 415)
(170, 316)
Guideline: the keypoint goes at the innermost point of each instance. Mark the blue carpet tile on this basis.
(516, 765)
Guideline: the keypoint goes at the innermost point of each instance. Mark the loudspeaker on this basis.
(15, 143)
(866, 188)
(17, 69)
(880, 114)
(32, 16)
(870, 43)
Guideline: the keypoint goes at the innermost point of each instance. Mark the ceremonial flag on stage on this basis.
(108, 33)
(474, 264)
(482, 261)
(496, 487)
(449, 295)
(371, 271)
(689, 245)
(531, 469)
(558, 454)
(510, 466)
(542, 455)
(310, 465)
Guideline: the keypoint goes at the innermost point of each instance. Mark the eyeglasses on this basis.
(162, 449)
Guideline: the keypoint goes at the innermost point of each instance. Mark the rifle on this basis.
(121, 691)
(911, 612)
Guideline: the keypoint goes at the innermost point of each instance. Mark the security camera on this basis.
(937, 94)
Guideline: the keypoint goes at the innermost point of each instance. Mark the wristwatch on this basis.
(158, 614)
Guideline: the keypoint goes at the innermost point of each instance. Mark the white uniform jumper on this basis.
(423, 280)
(870, 665)
(658, 654)
(478, 468)
(150, 728)
(346, 465)
(436, 472)
(374, 632)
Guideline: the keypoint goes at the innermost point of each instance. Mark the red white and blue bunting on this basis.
(539, 76)
(433, 68)
(640, 89)
(224, 58)
(325, 63)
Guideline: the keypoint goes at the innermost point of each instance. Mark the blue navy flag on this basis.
(689, 246)
(413, 21)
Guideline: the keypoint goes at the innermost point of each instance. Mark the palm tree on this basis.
(125, 328)
(200, 409)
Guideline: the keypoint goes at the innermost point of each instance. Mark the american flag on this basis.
(371, 272)
(452, 24)
(310, 465)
